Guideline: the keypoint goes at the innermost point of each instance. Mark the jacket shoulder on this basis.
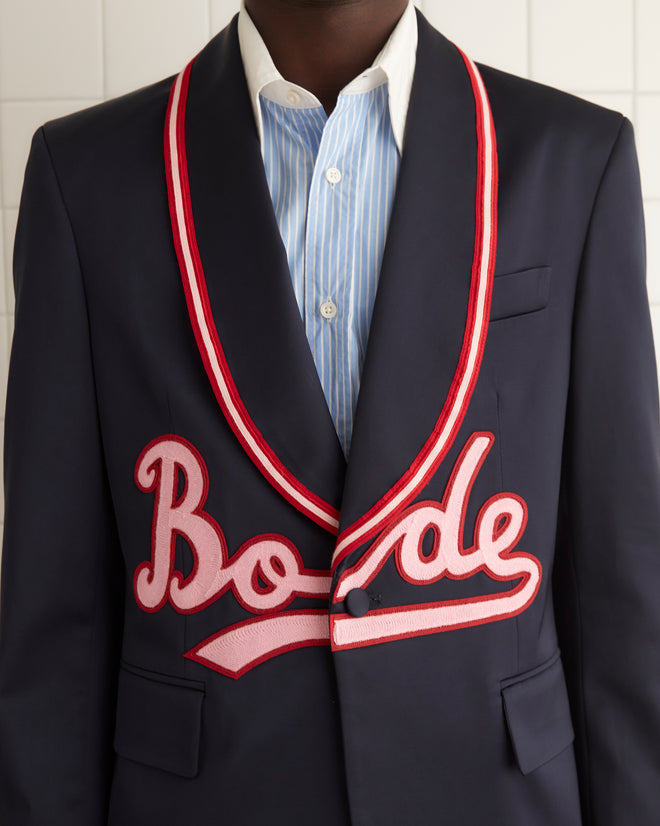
(567, 139)
(113, 133)
(538, 109)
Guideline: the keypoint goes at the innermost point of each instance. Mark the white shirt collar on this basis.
(395, 63)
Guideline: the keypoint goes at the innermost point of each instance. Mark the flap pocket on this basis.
(538, 713)
(516, 293)
(158, 719)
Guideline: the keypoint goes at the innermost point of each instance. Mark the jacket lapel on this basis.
(238, 287)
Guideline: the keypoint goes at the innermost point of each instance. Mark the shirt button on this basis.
(292, 96)
(328, 309)
(333, 175)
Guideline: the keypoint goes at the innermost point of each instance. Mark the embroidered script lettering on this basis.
(267, 572)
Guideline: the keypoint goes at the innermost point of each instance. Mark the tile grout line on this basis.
(104, 57)
(104, 67)
(529, 39)
(29, 101)
(634, 60)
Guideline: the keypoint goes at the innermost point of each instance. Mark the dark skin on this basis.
(322, 45)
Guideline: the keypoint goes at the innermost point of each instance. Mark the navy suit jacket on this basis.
(207, 615)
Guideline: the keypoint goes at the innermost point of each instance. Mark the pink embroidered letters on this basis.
(267, 572)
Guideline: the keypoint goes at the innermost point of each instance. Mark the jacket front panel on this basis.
(375, 708)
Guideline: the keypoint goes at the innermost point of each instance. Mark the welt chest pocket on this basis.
(521, 292)
(538, 715)
(158, 719)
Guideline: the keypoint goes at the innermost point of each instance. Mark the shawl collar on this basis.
(431, 308)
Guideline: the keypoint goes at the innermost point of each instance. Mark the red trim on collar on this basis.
(453, 412)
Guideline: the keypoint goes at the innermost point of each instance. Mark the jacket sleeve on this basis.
(61, 588)
(606, 580)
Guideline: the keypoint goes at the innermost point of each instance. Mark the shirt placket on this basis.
(329, 245)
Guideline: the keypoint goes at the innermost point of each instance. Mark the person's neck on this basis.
(322, 45)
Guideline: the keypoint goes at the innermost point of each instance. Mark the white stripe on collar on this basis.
(395, 63)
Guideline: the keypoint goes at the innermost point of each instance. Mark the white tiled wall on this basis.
(57, 56)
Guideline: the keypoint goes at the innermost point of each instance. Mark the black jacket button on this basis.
(357, 602)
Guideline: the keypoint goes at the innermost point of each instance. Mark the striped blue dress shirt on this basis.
(332, 181)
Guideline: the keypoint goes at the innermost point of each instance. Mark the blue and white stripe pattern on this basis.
(334, 230)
